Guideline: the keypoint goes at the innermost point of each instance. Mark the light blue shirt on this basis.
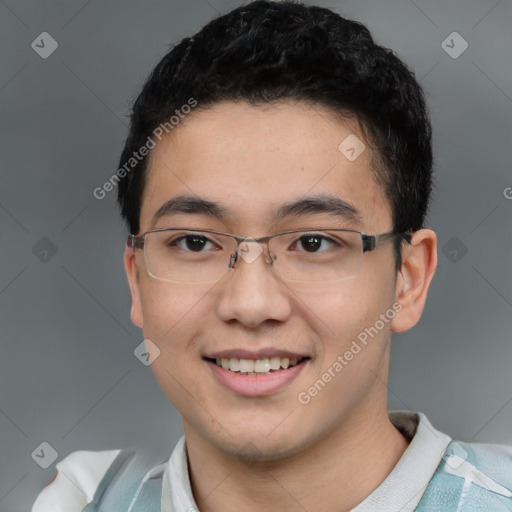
(435, 474)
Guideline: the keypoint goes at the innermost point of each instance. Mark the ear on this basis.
(419, 262)
(132, 273)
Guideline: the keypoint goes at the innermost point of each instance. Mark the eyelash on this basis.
(323, 238)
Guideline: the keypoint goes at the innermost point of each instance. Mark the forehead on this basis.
(252, 160)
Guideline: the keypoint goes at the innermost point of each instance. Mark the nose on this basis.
(252, 294)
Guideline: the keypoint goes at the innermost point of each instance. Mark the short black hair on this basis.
(266, 51)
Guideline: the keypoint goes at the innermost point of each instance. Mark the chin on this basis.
(260, 450)
(257, 445)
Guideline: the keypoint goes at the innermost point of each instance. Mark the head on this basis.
(246, 124)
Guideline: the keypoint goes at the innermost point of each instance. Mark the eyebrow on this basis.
(192, 205)
(322, 203)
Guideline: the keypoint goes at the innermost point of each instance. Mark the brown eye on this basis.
(313, 243)
(193, 243)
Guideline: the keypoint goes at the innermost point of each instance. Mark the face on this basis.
(250, 162)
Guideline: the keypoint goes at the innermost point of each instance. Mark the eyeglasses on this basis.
(190, 255)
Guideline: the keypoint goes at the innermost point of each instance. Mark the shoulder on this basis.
(471, 475)
(492, 460)
(77, 478)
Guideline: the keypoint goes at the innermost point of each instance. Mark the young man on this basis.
(275, 183)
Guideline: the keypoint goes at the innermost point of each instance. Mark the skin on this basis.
(247, 452)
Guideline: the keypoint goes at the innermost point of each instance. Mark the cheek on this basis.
(173, 317)
(165, 305)
(353, 350)
(339, 313)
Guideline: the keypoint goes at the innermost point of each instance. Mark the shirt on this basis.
(80, 474)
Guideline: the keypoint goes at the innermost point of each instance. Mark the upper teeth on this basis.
(258, 366)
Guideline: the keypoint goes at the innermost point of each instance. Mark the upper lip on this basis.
(263, 353)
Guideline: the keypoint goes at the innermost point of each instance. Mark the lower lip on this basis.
(256, 385)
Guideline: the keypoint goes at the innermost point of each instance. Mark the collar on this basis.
(401, 490)
(404, 486)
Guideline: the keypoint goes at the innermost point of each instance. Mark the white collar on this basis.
(401, 490)
(405, 485)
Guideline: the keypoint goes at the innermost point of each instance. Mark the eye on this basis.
(192, 242)
(313, 243)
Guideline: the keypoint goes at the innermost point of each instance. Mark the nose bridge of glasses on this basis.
(250, 249)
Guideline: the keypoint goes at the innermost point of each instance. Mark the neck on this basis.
(336, 473)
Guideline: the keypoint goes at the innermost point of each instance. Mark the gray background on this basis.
(68, 375)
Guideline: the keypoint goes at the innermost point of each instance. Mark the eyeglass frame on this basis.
(369, 242)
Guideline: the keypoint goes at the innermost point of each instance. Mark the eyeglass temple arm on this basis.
(135, 242)
(371, 242)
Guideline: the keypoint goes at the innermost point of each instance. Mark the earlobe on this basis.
(132, 274)
(419, 262)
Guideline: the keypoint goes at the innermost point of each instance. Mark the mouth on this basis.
(257, 367)
(257, 376)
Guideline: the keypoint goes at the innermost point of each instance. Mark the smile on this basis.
(257, 366)
(256, 377)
